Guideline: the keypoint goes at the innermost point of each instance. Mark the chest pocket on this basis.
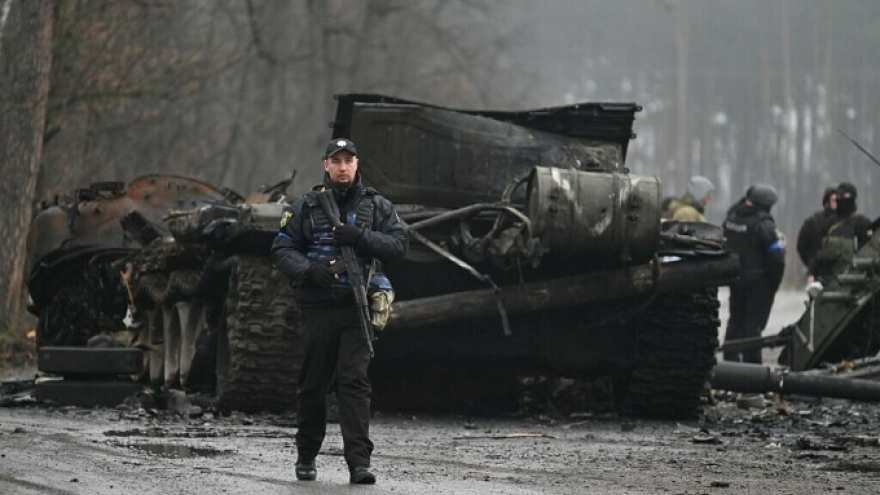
(836, 249)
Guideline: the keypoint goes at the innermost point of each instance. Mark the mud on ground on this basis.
(787, 447)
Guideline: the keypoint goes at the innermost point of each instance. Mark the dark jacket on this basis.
(810, 235)
(751, 234)
(385, 240)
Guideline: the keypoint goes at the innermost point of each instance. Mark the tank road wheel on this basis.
(150, 338)
(676, 339)
(182, 322)
(170, 332)
(258, 351)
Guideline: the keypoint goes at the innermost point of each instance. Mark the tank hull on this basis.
(571, 284)
(536, 256)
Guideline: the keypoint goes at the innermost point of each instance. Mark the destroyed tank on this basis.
(174, 268)
(537, 257)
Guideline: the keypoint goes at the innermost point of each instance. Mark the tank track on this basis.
(676, 340)
(258, 369)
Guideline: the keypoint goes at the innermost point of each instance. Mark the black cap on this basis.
(339, 144)
(847, 188)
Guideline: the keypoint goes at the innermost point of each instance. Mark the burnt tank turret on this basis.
(74, 245)
(535, 252)
(167, 279)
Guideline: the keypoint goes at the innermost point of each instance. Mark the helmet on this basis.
(763, 195)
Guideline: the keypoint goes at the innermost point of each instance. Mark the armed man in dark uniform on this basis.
(809, 239)
(310, 250)
(849, 231)
(751, 234)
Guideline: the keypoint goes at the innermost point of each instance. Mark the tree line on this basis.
(240, 92)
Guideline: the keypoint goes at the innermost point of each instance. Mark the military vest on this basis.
(322, 247)
(838, 247)
(739, 231)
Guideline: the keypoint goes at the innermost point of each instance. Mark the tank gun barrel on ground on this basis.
(561, 292)
(756, 378)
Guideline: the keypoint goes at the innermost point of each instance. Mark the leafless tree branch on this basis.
(4, 16)
(262, 52)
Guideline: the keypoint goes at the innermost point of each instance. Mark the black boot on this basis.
(362, 475)
(306, 470)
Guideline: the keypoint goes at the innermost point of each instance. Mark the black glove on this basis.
(321, 275)
(346, 235)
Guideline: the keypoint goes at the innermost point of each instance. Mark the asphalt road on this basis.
(817, 447)
(809, 446)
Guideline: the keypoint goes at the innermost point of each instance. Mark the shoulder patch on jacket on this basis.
(285, 218)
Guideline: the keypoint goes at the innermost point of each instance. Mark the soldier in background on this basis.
(809, 238)
(849, 232)
(751, 233)
(692, 205)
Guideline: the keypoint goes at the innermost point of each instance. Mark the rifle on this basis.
(355, 274)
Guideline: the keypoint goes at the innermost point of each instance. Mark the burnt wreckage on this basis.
(836, 339)
(535, 253)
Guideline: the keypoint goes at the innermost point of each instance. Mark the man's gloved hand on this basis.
(347, 235)
(321, 275)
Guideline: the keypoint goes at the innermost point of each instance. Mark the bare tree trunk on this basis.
(708, 164)
(866, 119)
(828, 74)
(787, 95)
(682, 127)
(24, 76)
(767, 152)
(5, 7)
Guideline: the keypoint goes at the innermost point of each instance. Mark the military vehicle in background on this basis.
(842, 318)
(832, 350)
(537, 257)
(174, 269)
(841, 322)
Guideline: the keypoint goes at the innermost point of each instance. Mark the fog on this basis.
(240, 92)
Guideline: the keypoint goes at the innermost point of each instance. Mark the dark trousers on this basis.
(335, 353)
(750, 304)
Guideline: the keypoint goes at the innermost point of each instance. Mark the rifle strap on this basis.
(320, 219)
(364, 218)
(834, 226)
(329, 206)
